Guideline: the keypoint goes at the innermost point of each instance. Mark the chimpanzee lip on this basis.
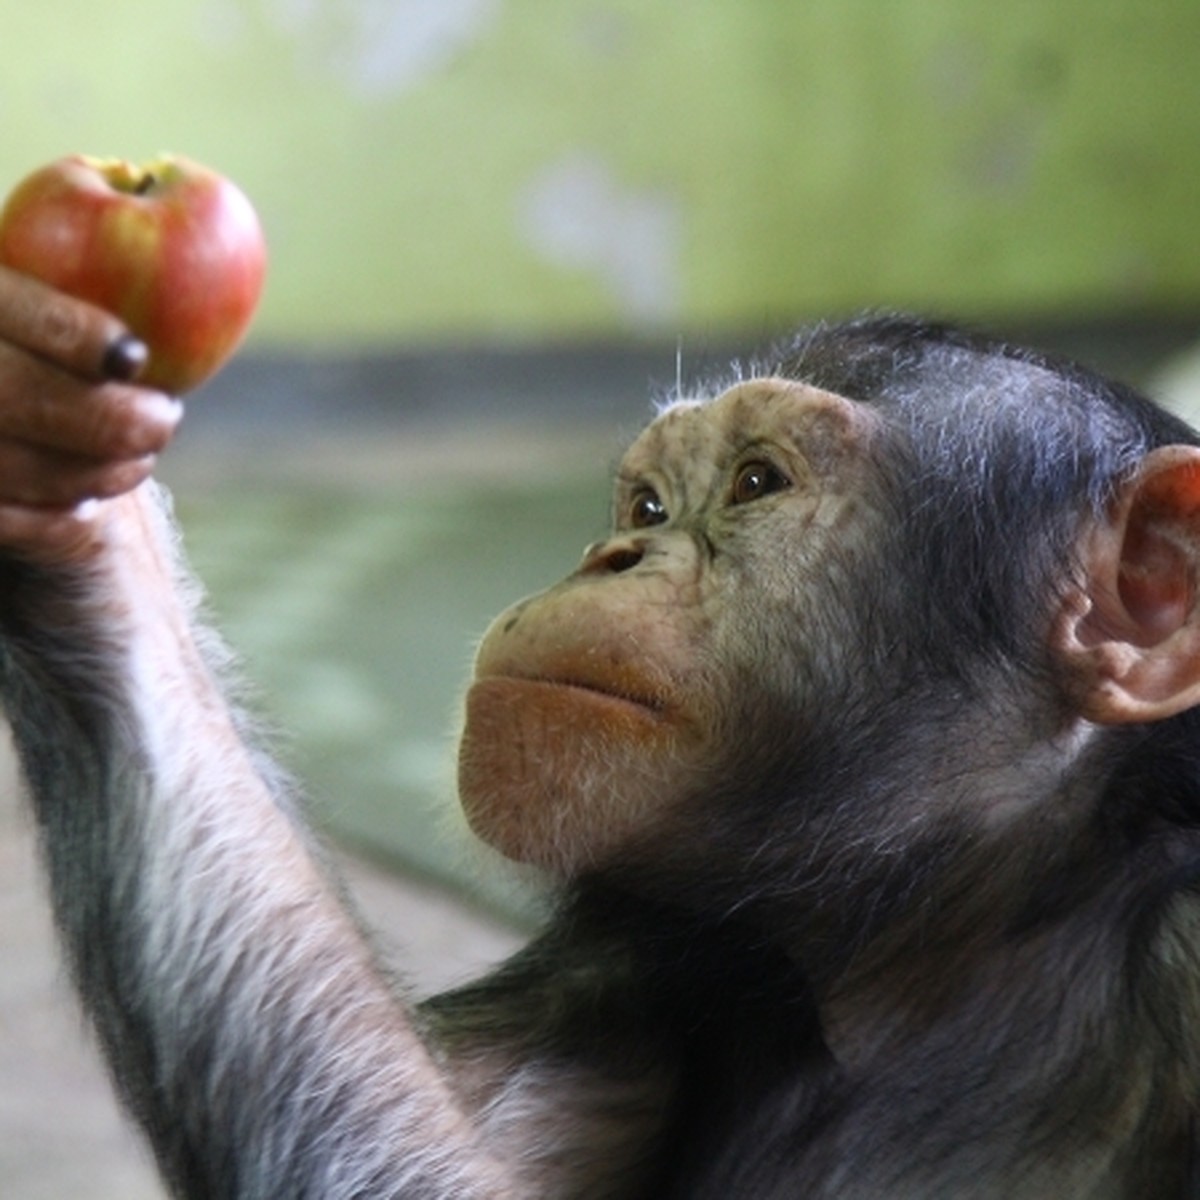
(607, 691)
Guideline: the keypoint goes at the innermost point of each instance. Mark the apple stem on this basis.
(144, 184)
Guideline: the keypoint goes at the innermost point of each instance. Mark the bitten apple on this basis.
(170, 246)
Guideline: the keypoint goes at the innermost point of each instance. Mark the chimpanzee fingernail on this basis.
(125, 358)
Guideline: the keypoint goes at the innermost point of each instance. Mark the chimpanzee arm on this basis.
(247, 1025)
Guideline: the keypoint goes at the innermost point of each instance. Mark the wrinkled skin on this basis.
(67, 435)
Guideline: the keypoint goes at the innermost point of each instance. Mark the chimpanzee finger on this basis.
(74, 335)
(32, 477)
(44, 406)
(49, 535)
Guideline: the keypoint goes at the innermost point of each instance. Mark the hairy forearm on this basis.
(193, 908)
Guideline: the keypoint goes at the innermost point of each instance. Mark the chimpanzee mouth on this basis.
(653, 705)
(643, 702)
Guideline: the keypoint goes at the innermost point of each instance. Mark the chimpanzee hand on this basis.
(73, 430)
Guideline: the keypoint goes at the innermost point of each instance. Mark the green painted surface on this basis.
(487, 168)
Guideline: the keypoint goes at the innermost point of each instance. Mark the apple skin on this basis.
(171, 247)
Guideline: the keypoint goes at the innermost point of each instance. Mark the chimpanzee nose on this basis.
(613, 555)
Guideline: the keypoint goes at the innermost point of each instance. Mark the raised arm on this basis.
(244, 1018)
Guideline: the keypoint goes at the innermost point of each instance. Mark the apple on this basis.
(171, 247)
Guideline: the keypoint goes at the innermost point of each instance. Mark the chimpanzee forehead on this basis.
(691, 434)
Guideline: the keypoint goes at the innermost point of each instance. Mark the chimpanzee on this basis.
(861, 761)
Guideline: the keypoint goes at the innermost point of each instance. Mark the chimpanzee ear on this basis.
(1130, 635)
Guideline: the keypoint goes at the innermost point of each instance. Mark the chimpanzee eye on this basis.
(755, 480)
(646, 509)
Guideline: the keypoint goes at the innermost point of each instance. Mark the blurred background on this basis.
(498, 229)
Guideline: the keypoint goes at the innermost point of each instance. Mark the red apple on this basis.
(169, 246)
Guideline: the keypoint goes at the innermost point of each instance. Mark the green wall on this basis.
(484, 168)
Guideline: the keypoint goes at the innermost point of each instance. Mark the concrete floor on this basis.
(60, 1132)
